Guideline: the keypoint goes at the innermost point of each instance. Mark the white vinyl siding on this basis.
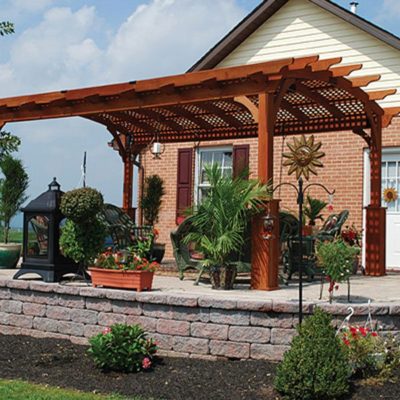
(301, 28)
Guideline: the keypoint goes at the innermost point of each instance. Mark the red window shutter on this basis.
(240, 159)
(184, 183)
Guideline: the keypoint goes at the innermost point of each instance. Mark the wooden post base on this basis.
(265, 253)
(375, 248)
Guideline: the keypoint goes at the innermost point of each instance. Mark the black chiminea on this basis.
(41, 250)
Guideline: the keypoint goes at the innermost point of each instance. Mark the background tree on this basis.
(12, 190)
(152, 198)
(6, 28)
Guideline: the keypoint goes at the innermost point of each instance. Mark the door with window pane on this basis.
(391, 179)
(211, 156)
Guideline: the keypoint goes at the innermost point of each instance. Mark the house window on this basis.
(222, 156)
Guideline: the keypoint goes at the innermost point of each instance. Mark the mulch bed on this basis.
(60, 363)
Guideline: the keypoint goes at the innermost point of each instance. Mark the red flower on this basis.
(363, 331)
(330, 208)
(146, 363)
(346, 342)
(374, 334)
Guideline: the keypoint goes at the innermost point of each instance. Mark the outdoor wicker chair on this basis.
(332, 226)
(122, 229)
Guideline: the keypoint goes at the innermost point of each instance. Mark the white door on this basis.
(391, 179)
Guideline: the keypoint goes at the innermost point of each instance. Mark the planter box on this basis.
(138, 280)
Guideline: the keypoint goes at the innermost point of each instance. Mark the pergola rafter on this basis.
(290, 96)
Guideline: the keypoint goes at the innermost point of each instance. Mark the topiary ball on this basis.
(81, 204)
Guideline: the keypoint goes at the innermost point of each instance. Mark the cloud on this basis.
(65, 49)
(389, 10)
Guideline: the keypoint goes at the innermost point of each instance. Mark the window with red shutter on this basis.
(240, 159)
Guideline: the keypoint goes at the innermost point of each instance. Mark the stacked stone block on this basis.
(184, 325)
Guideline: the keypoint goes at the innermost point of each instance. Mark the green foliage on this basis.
(217, 226)
(152, 198)
(336, 258)
(316, 366)
(83, 242)
(313, 209)
(6, 28)
(82, 204)
(12, 190)
(370, 355)
(122, 348)
(8, 143)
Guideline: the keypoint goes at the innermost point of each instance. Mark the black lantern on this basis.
(43, 221)
(268, 227)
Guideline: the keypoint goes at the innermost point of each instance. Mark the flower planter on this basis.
(223, 278)
(120, 279)
(9, 255)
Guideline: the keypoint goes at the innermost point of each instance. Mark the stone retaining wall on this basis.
(183, 325)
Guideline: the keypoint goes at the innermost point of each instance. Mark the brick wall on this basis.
(343, 171)
(182, 324)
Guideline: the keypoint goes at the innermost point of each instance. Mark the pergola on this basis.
(291, 96)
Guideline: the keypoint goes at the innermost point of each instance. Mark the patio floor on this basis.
(380, 289)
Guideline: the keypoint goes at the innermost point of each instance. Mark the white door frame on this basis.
(367, 188)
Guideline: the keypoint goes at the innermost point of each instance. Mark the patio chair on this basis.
(332, 226)
(122, 229)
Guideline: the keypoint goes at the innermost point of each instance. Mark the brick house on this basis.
(280, 29)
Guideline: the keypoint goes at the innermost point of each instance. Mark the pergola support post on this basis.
(128, 185)
(375, 213)
(265, 253)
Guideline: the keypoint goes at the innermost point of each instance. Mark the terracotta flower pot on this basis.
(120, 279)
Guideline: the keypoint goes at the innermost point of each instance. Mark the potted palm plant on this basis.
(13, 187)
(151, 204)
(312, 211)
(217, 226)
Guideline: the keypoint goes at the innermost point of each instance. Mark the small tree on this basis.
(83, 235)
(12, 190)
(152, 198)
(316, 366)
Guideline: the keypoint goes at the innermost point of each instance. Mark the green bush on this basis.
(122, 348)
(12, 190)
(82, 204)
(83, 242)
(151, 201)
(316, 366)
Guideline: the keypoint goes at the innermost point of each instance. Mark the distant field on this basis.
(15, 236)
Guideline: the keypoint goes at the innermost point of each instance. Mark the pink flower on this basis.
(106, 331)
(146, 363)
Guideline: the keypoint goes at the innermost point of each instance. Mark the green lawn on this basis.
(14, 237)
(18, 390)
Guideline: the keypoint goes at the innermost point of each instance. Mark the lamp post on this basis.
(301, 190)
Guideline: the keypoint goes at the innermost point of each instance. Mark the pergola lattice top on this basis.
(312, 95)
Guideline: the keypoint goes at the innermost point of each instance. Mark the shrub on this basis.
(316, 366)
(336, 260)
(151, 201)
(82, 204)
(83, 242)
(123, 348)
(12, 190)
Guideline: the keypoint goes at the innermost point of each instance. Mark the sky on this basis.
(65, 44)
